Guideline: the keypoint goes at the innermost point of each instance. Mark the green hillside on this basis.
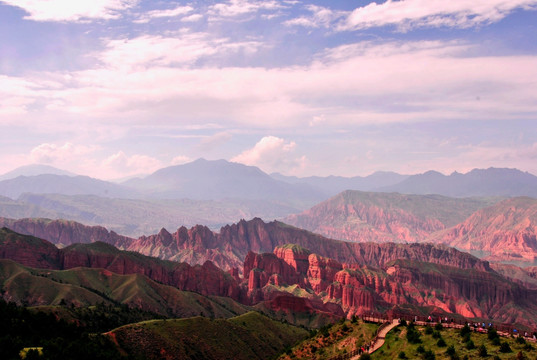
(85, 287)
(332, 340)
(249, 336)
(450, 344)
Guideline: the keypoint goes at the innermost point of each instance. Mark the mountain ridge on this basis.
(477, 182)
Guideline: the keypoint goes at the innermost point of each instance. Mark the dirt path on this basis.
(380, 338)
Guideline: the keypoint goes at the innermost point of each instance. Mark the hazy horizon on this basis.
(121, 179)
(306, 88)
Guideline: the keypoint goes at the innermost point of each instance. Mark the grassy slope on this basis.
(83, 287)
(396, 342)
(249, 336)
(329, 341)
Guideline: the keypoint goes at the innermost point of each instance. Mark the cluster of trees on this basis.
(22, 328)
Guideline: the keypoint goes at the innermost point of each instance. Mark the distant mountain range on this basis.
(478, 182)
(65, 185)
(34, 170)
(505, 231)
(215, 180)
(215, 193)
(494, 228)
(219, 179)
(385, 217)
(332, 185)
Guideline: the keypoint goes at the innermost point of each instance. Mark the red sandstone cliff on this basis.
(383, 217)
(64, 232)
(206, 279)
(229, 248)
(504, 231)
(412, 284)
(291, 276)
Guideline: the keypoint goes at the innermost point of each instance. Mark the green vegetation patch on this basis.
(453, 346)
(331, 340)
(248, 336)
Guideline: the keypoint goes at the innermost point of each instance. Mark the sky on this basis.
(116, 88)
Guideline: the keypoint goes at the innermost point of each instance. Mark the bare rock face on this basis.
(294, 255)
(229, 248)
(383, 217)
(506, 231)
(259, 268)
(356, 289)
(28, 251)
(206, 279)
(321, 272)
(63, 232)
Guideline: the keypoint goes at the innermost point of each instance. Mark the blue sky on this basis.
(113, 88)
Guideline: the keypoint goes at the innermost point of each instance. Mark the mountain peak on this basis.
(34, 170)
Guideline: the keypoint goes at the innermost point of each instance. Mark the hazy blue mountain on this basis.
(332, 185)
(478, 182)
(62, 184)
(135, 217)
(219, 179)
(33, 170)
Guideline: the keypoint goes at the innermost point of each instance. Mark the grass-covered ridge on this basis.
(436, 343)
(248, 336)
(332, 340)
(87, 287)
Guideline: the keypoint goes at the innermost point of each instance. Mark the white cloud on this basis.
(406, 14)
(72, 10)
(192, 18)
(351, 84)
(180, 159)
(216, 140)
(16, 95)
(153, 50)
(156, 14)
(321, 17)
(234, 8)
(120, 164)
(272, 154)
(48, 153)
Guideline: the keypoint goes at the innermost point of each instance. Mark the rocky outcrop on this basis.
(320, 286)
(383, 217)
(409, 283)
(206, 279)
(28, 250)
(64, 232)
(321, 272)
(506, 231)
(228, 248)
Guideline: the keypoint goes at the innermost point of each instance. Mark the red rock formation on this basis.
(294, 255)
(383, 217)
(363, 289)
(206, 279)
(229, 248)
(63, 232)
(321, 272)
(327, 285)
(28, 251)
(504, 231)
